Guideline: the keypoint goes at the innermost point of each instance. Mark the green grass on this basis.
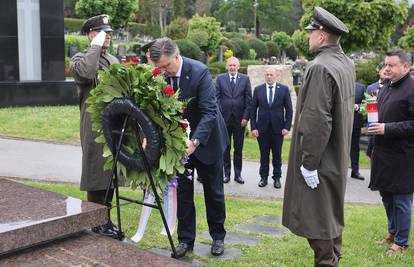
(61, 124)
(365, 224)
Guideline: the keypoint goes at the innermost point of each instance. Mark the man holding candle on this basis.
(393, 157)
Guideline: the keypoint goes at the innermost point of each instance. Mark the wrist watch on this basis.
(196, 142)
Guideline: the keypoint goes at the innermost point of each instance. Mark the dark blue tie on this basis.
(270, 95)
(232, 83)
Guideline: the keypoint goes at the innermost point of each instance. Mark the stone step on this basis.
(87, 249)
(31, 216)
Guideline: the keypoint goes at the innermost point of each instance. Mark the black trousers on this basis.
(235, 130)
(270, 141)
(213, 197)
(356, 134)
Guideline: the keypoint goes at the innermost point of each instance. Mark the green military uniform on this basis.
(84, 67)
(321, 141)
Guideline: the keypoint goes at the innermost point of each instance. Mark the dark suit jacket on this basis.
(203, 114)
(234, 102)
(278, 116)
(359, 96)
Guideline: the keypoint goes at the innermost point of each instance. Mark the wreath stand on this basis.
(113, 180)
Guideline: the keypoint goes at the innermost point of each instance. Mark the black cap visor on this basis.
(105, 28)
(314, 26)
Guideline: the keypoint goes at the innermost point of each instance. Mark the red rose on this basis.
(134, 60)
(156, 72)
(184, 125)
(168, 90)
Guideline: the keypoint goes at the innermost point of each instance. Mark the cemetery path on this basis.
(45, 161)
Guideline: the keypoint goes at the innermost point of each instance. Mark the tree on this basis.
(189, 8)
(205, 32)
(370, 22)
(407, 40)
(119, 11)
(259, 46)
(300, 42)
(178, 8)
(282, 40)
(270, 14)
(189, 49)
(177, 29)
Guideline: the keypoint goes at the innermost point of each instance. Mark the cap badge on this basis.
(105, 20)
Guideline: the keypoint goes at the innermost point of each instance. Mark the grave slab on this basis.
(204, 251)
(87, 249)
(236, 239)
(263, 229)
(186, 259)
(268, 219)
(31, 216)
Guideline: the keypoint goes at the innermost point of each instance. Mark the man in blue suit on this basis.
(208, 141)
(234, 95)
(271, 119)
(356, 131)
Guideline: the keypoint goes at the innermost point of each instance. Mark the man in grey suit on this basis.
(234, 96)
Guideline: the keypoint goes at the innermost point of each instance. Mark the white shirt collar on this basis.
(178, 74)
(274, 85)
(230, 75)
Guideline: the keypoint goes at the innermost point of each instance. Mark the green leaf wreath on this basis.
(147, 87)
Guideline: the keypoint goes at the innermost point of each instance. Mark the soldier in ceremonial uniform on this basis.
(84, 67)
(313, 205)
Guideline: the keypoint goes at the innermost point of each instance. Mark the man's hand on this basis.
(376, 128)
(255, 133)
(99, 39)
(356, 107)
(311, 177)
(243, 123)
(285, 132)
(190, 147)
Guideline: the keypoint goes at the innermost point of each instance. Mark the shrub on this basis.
(231, 35)
(272, 49)
(81, 42)
(72, 24)
(217, 67)
(367, 72)
(259, 46)
(243, 51)
(252, 54)
(189, 49)
(149, 29)
(133, 29)
(177, 29)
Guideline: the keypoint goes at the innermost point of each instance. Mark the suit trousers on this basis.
(213, 197)
(270, 141)
(235, 130)
(399, 209)
(326, 252)
(356, 135)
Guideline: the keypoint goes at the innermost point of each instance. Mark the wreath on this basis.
(146, 87)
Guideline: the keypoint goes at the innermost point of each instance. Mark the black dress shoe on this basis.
(357, 176)
(277, 184)
(106, 230)
(263, 182)
(226, 179)
(182, 249)
(239, 180)
(217, 247)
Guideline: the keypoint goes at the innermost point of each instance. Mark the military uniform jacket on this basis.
(84, 67)
(321, 140)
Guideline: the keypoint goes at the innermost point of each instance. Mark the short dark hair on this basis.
(163, 47)
(332, 38)
(403, 56)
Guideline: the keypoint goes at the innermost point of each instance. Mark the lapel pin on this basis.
(187, 77)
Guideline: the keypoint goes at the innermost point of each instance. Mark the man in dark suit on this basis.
(356, 131)
(271, 119)
(208, 140)
(234, 95)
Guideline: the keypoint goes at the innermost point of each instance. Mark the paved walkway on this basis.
(62, 163)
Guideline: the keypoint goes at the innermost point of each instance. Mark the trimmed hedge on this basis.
(367, 72)
(73, 25)
(81, 42)
(189, 49)
(243, 52)
(220, 67)
(259, 46)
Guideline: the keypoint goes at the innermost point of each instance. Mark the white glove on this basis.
(311, 177)
(99, 39)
